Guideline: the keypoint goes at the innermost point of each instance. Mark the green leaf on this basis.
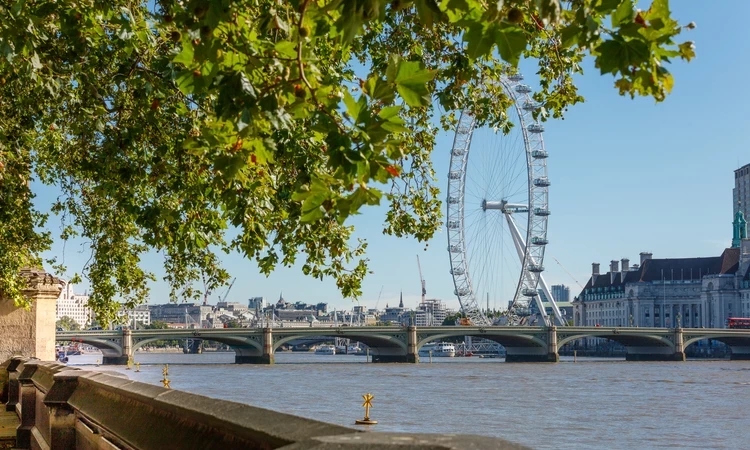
(411, 83)
(353, 107)
(35, 63)
(569, 36)
(511, 42)
(624, 13)
(479, 40)
(617, 55)
(186, 82)
(428, 11)
(286, 49)
(389, 111)
(186, 54)
(607, 6)
(247, 87)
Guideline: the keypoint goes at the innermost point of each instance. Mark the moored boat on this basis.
(445, 349)
(325, 350)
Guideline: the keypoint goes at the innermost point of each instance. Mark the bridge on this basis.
(402, 344)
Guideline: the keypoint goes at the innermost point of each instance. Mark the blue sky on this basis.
(627, 176)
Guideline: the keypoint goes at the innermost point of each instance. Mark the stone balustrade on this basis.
(62, 408)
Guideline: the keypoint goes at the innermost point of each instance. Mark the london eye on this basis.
(497, 213)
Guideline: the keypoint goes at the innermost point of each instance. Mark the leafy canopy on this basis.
(195, 127)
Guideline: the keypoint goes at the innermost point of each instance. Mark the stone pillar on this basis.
(552, 353)
(250, 354)
(62, 418)
(127, 343)
(127, 350)
(268, 346)
(31, 332)
(412, 354)
(679, 346)
(13, 386)
(28, 405)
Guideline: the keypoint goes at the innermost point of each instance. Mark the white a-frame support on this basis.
(520, 244)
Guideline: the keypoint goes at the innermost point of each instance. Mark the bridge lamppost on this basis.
(679, 320)
(631, 321)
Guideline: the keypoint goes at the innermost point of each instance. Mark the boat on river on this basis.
(445, 349)
(325, 350)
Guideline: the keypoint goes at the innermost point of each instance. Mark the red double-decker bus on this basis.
(738, 322)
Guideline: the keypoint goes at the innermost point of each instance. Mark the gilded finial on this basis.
(367, 405)
(165, 380)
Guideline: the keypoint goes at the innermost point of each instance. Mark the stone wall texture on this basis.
(30, 332)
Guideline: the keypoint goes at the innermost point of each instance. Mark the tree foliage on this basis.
(197, 127)
(66, 323)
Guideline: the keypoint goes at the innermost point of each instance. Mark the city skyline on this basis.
(611, 168)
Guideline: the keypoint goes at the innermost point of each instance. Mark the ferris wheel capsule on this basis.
(535, 128)
(523, 89)
(515, 77)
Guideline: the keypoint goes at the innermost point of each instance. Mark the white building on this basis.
(430, 313)
(74, 306)
(141, 315)
(688, 292)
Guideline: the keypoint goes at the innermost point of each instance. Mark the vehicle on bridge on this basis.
(738, 322)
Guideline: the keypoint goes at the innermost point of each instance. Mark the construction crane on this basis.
(566, 271)
(226, 293)
(421, 278)
(381, 293)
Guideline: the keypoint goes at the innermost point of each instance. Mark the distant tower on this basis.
(401, 303)
(741, 191)
(739, 228)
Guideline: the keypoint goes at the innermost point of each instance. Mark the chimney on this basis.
(635, 267)
(625, 265)
(645, 256)
(613, 269)
(594, 269)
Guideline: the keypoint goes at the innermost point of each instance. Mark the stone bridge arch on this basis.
(525, 345)
(111, 349)
(739, 346)
(381, 346)
(243, 346)
(639, 346)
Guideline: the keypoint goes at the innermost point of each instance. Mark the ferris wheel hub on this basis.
(494, 204)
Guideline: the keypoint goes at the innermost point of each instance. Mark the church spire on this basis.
(401, 303)
(740, 228)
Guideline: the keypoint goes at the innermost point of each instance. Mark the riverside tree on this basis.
(196, 127)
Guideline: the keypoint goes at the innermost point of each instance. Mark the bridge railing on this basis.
(63, 408)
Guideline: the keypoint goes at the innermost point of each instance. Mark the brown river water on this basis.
(589, 404)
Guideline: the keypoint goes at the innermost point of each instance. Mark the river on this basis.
(589, 404)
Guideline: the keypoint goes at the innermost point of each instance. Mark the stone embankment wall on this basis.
(30, 332)
(63, 408)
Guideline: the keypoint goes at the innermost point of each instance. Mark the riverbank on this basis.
(489, 391)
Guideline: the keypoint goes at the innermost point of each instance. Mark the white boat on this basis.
(325, 350)
(355, 350)
(438, 349)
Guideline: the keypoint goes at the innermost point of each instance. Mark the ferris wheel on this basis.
(497, 213)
